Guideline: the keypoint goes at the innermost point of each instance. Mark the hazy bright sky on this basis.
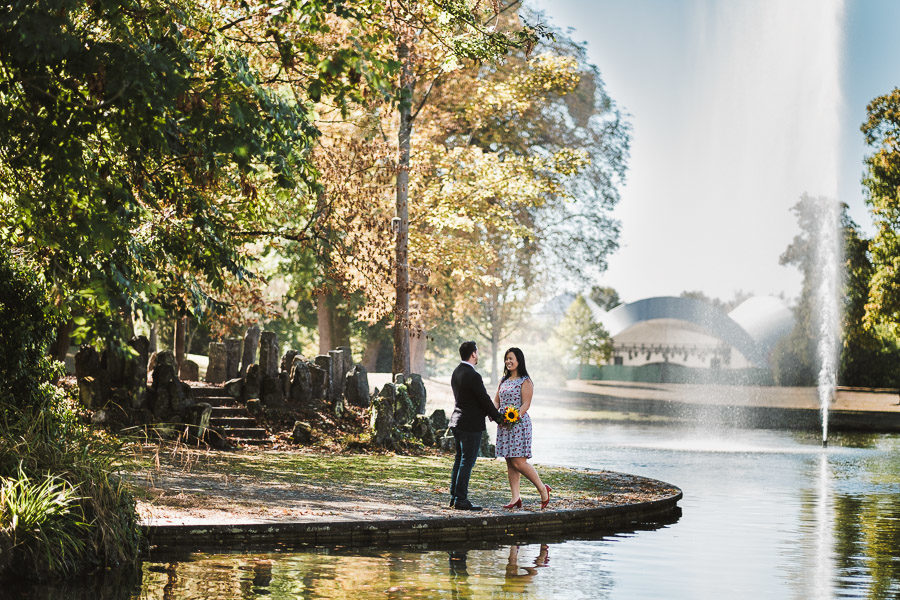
(737, 107)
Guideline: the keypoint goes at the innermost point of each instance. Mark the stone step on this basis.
(248, 441)
(207, 391)
(245, 432)
(224, 401)
(229, 423)
(228, 411)
(234, 440)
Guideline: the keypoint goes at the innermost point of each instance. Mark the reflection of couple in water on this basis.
(513, 570)
(514, 574)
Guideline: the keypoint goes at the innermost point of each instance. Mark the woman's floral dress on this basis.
(516, 440)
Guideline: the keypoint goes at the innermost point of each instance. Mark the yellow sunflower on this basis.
(511, 415)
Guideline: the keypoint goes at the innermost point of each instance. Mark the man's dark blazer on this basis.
(473, 403)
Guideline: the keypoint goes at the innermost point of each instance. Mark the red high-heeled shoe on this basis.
(544, 503)
(516, 504)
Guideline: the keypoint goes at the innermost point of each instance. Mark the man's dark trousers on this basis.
(467, 446)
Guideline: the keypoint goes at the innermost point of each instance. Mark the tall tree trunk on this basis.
(495, 328)
(401, 308)
(60, 346)
(334, 323)
(323, 312)
(495, 349)
(180, 331)
(192, 331)
(340, 324)
(154, 338)
(128, 322)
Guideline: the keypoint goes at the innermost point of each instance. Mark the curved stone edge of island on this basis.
(459, 527)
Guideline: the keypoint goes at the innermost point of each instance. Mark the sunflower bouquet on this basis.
(510, 416)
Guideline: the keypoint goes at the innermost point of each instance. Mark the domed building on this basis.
(677, 339)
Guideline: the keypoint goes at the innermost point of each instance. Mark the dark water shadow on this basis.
(378, 549)
(115, 584)
(251, 568)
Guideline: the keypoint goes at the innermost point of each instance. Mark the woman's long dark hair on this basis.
(520, 370)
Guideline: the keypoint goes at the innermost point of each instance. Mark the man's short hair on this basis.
(467, 349)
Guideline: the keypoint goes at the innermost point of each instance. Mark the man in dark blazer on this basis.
(473, 404)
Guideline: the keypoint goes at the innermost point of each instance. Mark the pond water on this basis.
(765, 514)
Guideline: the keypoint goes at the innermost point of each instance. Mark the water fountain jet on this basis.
(828, 252)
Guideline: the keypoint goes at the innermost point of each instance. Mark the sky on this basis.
(738, 107)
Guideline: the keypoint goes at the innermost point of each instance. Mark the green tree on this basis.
(25, 370)
(143, 144)
(581, 338)
(882, 182)
(869, 354)
(794, 358)
(606, 298)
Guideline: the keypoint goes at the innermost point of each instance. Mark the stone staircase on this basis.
(239, 426)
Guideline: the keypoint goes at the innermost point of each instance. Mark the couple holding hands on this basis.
(509, 410)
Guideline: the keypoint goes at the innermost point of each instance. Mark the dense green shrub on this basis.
(42, 522)
(870, 360)
(28, 327)
(56, 474)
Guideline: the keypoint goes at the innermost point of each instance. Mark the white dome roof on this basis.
(766, 318)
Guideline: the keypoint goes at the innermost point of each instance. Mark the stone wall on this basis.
(113, 384)
(396, 417)
(332, 382)
(114, 378)
(331, 378)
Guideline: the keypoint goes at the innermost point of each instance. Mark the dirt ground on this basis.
(179, 485)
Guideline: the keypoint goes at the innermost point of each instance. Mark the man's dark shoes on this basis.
(452, 501)
(465, 505)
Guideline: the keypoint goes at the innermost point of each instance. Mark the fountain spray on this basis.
(829, 255)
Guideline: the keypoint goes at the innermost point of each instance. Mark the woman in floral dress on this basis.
(514, 441)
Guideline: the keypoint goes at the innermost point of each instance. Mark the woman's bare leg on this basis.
(521, 465)
(513, 474)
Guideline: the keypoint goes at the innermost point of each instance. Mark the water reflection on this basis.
(824, 533)
(467, 574)
(766, 515)
(867, 523)
(459, 575)
(518, 577)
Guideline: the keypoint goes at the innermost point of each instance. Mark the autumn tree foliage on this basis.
(166, 158)
(514, 168)
(433, 38)
(555, 147)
